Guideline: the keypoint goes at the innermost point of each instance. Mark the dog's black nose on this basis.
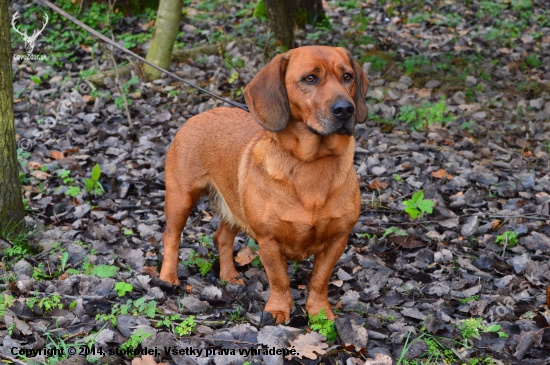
(342, 109)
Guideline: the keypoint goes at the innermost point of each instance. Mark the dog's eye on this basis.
(310, 79)
(347, 77)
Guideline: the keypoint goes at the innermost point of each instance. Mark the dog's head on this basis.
(318, 85)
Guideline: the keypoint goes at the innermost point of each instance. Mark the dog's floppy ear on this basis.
(266, 95)
(361, 87)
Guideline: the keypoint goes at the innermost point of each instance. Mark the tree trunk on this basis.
(12, 211)
(280, 14)
(164, 36)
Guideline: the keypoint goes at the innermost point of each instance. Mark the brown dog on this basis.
(283, 173)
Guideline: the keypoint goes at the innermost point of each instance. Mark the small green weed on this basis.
(122, 288)
(6, 301)
(186, 326)
(417, 205)
(194, 259)
(105, 271)
(92, 185)
(135, 340)
(236, 315)
(425, 115)
(394, 231)
(323, 325)
(469, 299)
(507, 239)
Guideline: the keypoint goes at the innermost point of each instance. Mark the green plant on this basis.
(469, 299)
(507, 239)
(417, 205)
(394, 231)
(474, 327)
(194, 259)
(323, 325)
(236, 315)
(398, 178)
(135, 340)
(38, 272)
(254, 246)
(122, 288)
(135, 308)
(127, 231)
(105, 271)
(186, 326)
(92, 185)
(468, 126)
(64, 259)
(167, 320)
(413, 63)
(50, 302)
(532, 60)
(377, 63)
(6, 301)
(425, 115)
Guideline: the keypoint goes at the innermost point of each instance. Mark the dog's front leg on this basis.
(280, 302)
(322, 270)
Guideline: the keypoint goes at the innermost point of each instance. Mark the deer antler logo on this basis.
(29, 40)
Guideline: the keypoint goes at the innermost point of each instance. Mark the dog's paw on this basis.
(232, 278)
(280, 317)
(171, 279)
(313, 309)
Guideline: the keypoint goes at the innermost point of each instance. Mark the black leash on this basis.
(109, 41)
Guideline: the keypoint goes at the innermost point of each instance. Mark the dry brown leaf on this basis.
(379, 359)
(245, 256)
(151, 271)
(146, 360)
(548, 296)
(309, 345)
(406, 242)
(147, 25)
(378, 185)
(439, 174)
(495, 225)
(527, 154)
(64, 276)
(56, 155)
(40, 175)
(33, 165)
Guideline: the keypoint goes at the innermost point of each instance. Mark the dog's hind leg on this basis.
(223, 239)
(178, 207)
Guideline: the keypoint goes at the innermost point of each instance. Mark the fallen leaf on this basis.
(379, 359)
(337, 283)
(406, 242)
(548, 296)
(146, 360)
(56, 155)
(40, 175)
(378, 185)
(33, 165)
(147, 25)
(496, 224)
(439, 174)
(64, 276)
(151, 271)
(309, 345)
(527, 154)
(245, 256)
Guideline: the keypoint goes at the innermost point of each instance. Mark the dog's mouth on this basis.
(340, 131)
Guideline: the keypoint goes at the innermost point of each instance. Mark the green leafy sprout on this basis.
(194, 259)
(417, 205)
(323, 325)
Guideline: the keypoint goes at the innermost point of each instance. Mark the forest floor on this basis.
(459, 104)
